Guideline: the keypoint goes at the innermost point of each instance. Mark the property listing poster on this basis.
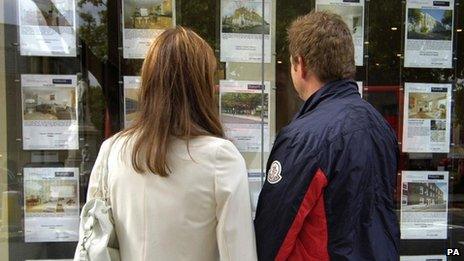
(51, 204)
(427, 117)
(144, 20)
(48, 259)
(352, 12)
(429, 34)
(49, 112)
(242, 30)
(360, 88)
(255, 184)
(131, 97)
(241, 110)
(423, 258)
(424, 205)
(47, 27)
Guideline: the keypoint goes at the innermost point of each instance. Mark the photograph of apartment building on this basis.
(244, 18)
(430, 24)
(424, 196)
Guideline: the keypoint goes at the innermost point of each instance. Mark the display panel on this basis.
(424, 204)
(243, 26)
(429, 34)
(131, 97)
(352, 13)
(423, 258)
(360, 88)
(427, 117)
(49, 260)
(49, 112)
(51, 204)
(243, 114)
(144, 20)
(255, 182)
(47, 27)
(101, 51)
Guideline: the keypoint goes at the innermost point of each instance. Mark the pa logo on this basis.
(274, 174)
(452, 252)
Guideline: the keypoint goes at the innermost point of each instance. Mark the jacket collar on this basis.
(330, 90)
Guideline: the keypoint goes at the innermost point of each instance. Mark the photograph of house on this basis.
(351, 15)
(437, 125)
(244, 18)
(47, 13)
(438, 130)
(243, 108)
(427, 105)
(49, 104)
(430, 24)
(424, 197)
(438, 136)
(148, 14)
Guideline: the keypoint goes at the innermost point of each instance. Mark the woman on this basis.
(178, 189)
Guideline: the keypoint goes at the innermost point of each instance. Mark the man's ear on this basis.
(303, 69)
(293, 64)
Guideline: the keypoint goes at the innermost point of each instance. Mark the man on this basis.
(332, 172)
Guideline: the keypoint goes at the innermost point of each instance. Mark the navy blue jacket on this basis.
(330, 183)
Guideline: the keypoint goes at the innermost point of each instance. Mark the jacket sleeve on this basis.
(96, 171)
(284, 206)
(235, 234)
(362, 171)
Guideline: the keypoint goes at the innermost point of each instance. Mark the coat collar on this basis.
(330, 90)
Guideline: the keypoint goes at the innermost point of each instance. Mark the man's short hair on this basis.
(325, 44)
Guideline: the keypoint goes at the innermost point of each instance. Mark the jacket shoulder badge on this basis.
(274, 174)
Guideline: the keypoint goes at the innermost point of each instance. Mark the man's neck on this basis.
(312, 87)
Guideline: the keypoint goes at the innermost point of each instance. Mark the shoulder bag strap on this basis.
(103, 187)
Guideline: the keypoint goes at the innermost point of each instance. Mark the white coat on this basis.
(200, 212)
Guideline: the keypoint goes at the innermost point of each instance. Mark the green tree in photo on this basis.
(235, 102)
(447, 18)
(424, 29)
(242, 103)
(414, 16)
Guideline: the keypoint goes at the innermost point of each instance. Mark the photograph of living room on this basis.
(51, 196)
(57, 103)
(148, 14)
(427, 105)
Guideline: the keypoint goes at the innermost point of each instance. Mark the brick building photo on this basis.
(422, 196)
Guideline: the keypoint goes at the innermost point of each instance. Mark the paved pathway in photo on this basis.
(240, 119)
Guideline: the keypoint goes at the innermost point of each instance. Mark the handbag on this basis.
(97, 234)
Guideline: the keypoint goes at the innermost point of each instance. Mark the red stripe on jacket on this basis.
(307, 237)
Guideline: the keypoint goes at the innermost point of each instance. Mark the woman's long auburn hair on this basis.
(176, 98)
